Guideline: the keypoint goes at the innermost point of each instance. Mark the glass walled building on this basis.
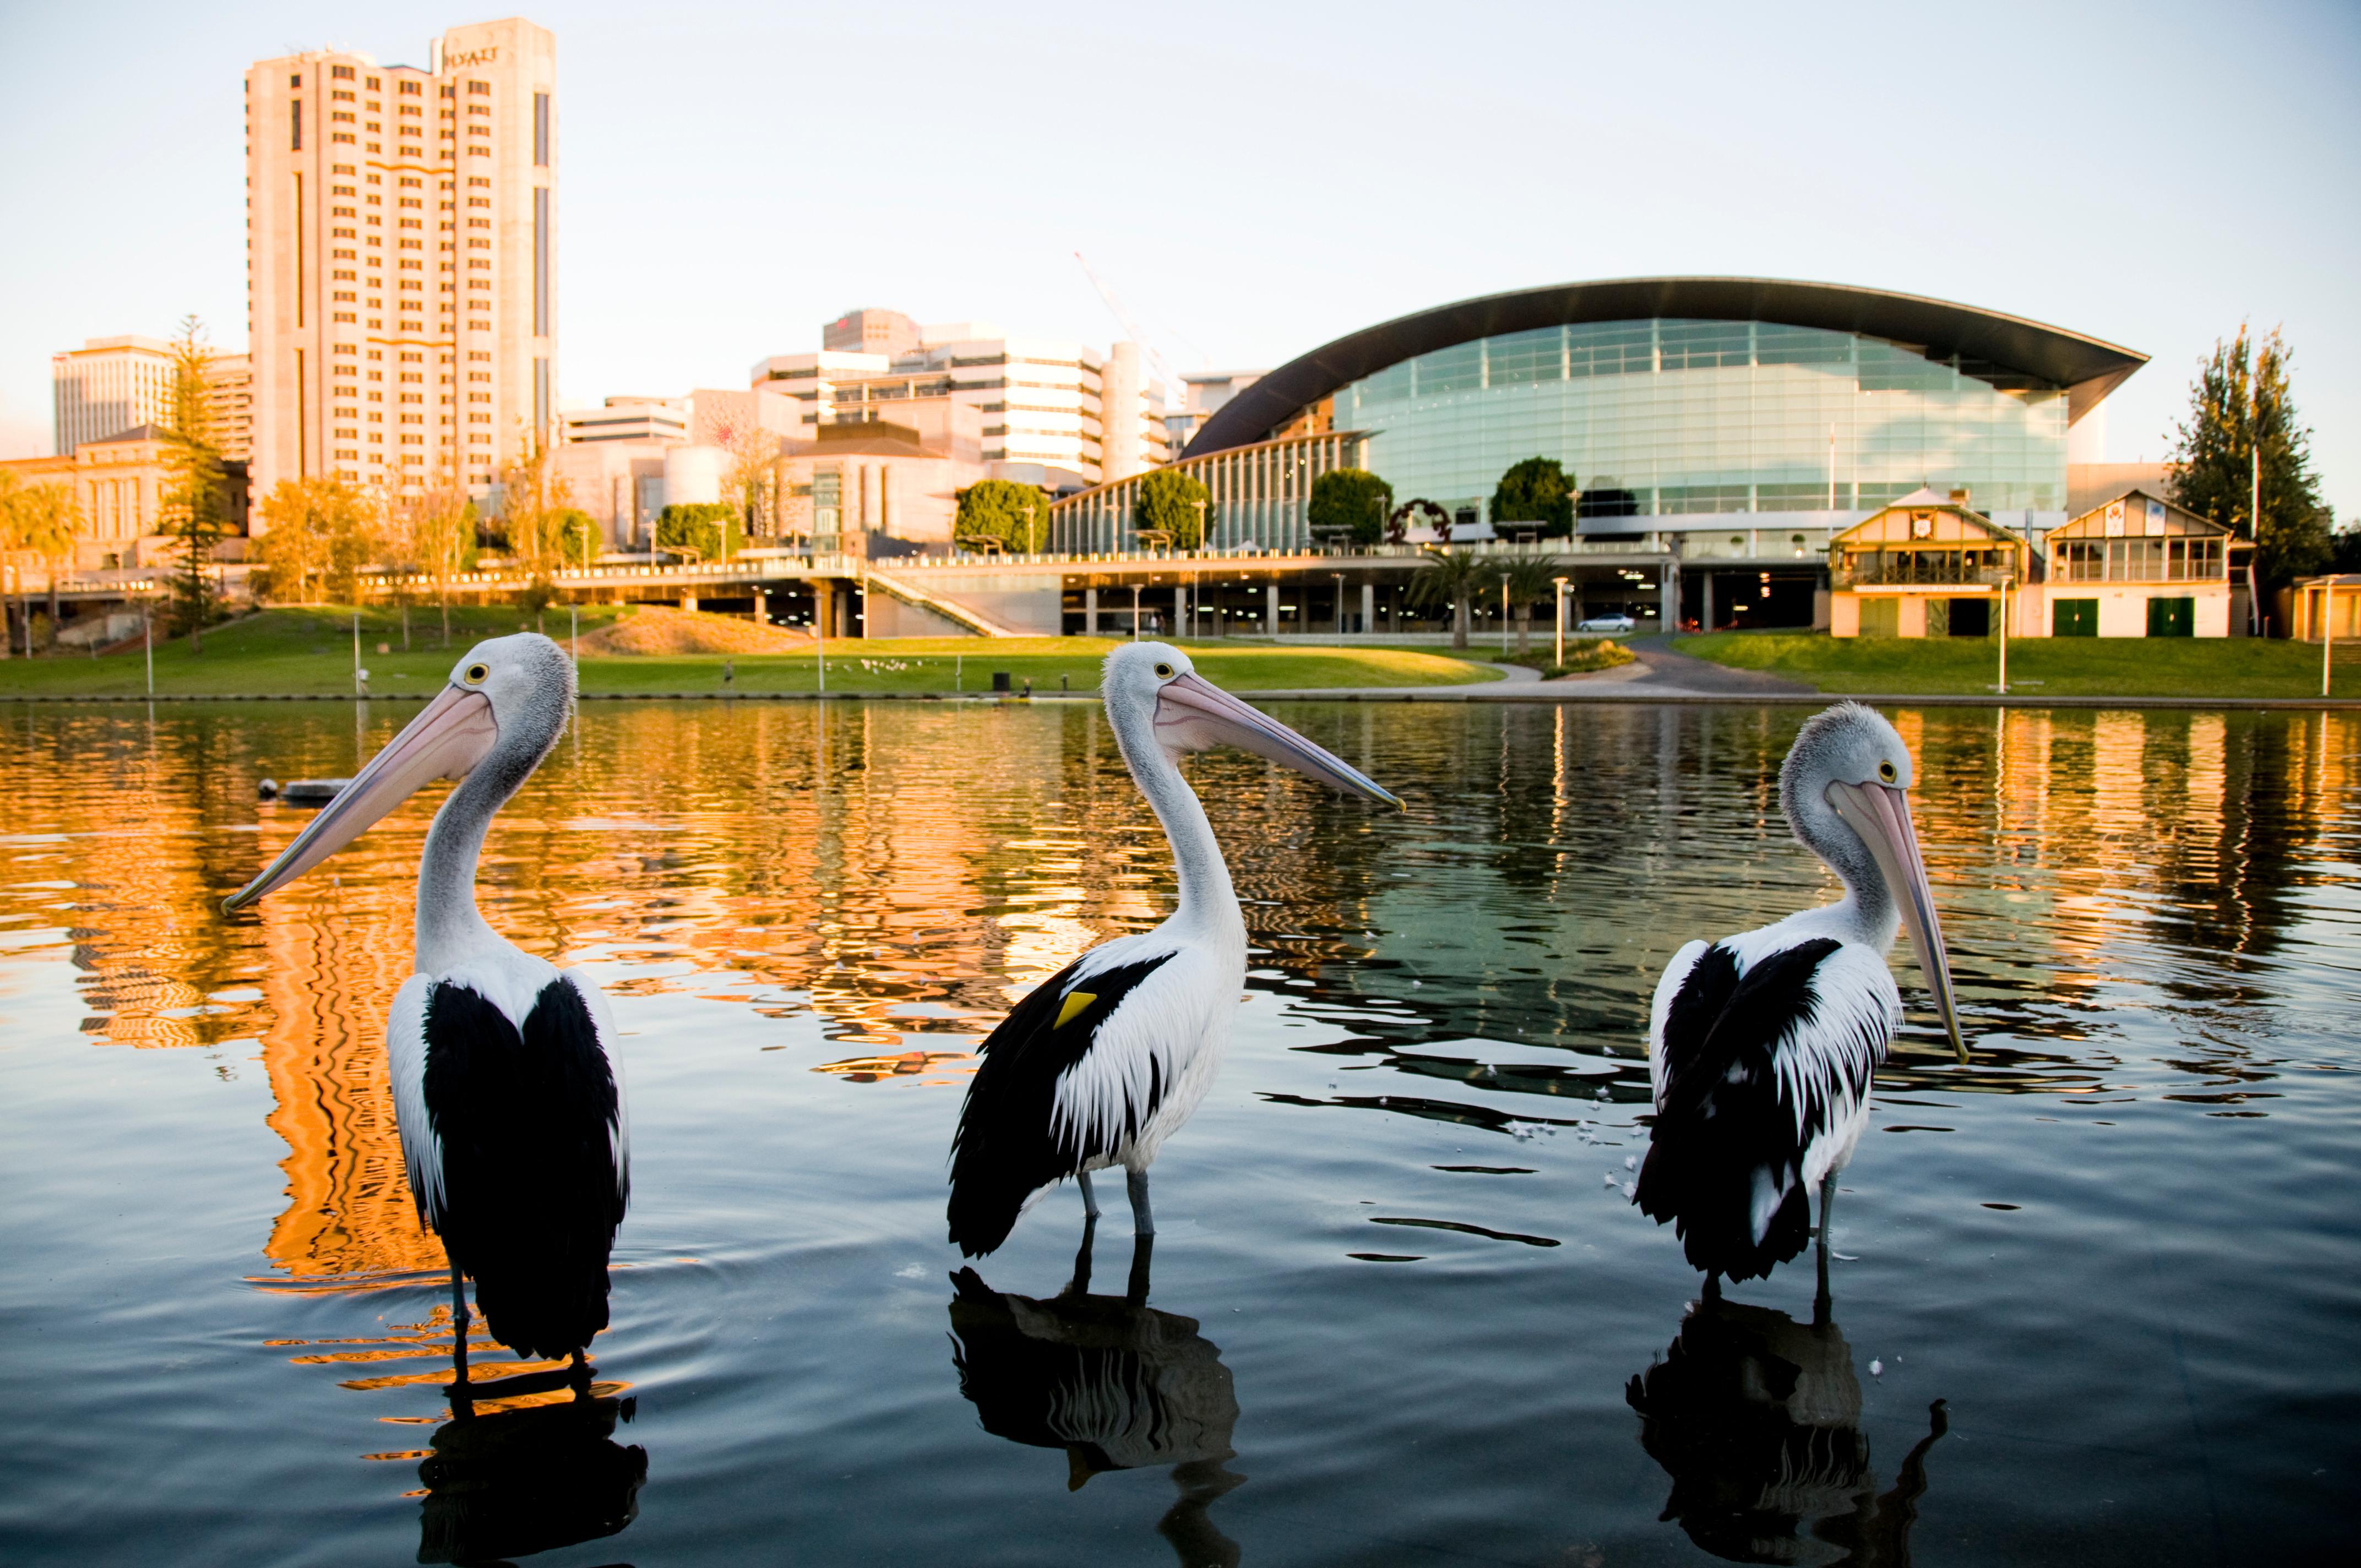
(1699, 397)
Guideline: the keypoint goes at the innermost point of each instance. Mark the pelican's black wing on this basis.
(1008, 1146)
(1726, 1158)
(531, 1189)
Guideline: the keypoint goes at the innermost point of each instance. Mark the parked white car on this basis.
(1617, 622)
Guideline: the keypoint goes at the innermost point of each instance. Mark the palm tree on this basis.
(1449, 577)
(1523, 579)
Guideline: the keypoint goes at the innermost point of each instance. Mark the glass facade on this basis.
(1664, 417)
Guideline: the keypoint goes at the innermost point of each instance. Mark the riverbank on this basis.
(309, 652)
(2184, 669)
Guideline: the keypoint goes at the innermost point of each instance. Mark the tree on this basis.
(1525, 579)
(1538, 489)
(750, 481)
(534, 500)
(1350, 500)
(1174, 505)
(1013, 516)
(2242, 410)
(11, 541)
(322, 529)
(196, 493)
(707, 530)
(435, 530)
(1414, 513)
(1450, 576)
(47, 522)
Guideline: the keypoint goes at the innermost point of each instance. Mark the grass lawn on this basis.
(2038, 666)
(303, 651)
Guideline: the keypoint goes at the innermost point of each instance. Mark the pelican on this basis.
(1762, 1045)
(1105, 1060)
(506, 1086)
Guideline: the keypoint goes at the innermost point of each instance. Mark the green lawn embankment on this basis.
(2040, 666)
(306, 652)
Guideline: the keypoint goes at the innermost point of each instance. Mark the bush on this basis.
(1013, 516)
(1350, 500)
(709, 528)
(1174, 504)
(1538, 489)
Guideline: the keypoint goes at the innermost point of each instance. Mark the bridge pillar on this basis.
(1180, 609)
(1270, 610)
(688, 601)
(1668, 581)
(1090, 612)
(1368, 607)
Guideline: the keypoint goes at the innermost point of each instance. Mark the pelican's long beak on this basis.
(1881, 814)
(451, 737)
(1192, 714)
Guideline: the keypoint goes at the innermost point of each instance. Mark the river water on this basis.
(2096, 1294)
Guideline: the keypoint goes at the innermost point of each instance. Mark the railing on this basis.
(1926, 569)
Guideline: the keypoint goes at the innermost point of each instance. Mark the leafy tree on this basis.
(322, 529)
(1350, 500)
(1417, 512)
(46, 521)
(1538, 489)
(1015, 515)
(1527, 579)
(707, 530)
(196, 494)
(1173, 504)
(751, 478)
(577, 536)
(433, 528)
(1450, 577)
(2242, 410)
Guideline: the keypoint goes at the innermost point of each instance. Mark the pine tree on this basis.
(196, 495)
(2242, 410)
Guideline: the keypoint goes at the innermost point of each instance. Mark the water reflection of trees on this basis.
(905, 870)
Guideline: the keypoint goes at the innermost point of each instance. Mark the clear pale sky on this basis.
(1256, 179)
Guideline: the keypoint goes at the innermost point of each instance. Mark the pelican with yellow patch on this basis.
(1077, 1004)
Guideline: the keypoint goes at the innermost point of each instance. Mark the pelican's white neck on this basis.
(450, 929)
(1209, 905)
(1867, 913)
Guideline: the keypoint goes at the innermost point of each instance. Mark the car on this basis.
(1610, 623)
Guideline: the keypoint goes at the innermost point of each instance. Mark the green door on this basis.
(1881, 617)
(2173, 618)
(2073, 618)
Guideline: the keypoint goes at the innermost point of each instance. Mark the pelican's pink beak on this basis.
(1192, 714)
(451, 737)
(1881, 814)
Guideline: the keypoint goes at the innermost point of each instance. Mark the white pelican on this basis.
(1102, 1063)
(506, 1087)
(1762, 1045)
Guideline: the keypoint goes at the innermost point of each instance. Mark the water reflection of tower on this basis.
(1118, 1385)
(329, 980)
(1757, 1420)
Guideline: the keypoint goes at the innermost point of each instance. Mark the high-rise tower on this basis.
(402, 259)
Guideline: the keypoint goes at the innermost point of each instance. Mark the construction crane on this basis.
(1131, 328)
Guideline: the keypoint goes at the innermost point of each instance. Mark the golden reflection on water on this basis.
(905, 873)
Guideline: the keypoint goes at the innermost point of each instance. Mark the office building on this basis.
(402, 259)
(229, 406)
(107, 385)
(888, 332)
(629, 418)
(1044, 403)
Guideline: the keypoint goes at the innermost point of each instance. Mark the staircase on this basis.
(934, 604)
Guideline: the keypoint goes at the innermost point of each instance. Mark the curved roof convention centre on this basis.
(1986, 342)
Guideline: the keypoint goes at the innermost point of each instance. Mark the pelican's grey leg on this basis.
(1080, 1284)
(1143, 1221)
(459, 1319)
(1090, 1203)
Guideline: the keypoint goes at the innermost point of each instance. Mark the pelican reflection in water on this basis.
(1114, 1383)
(510, 1482)
(1757, 1420)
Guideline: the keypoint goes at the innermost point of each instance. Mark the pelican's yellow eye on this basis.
(1163, 671)
(1885, 772)
(477, 673)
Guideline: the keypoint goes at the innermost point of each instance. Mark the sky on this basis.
(1255, 179)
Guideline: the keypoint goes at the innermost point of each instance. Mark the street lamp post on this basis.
(1560, 660)
(1338, 578)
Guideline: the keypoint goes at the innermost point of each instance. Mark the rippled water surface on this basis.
(1401, 1311)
